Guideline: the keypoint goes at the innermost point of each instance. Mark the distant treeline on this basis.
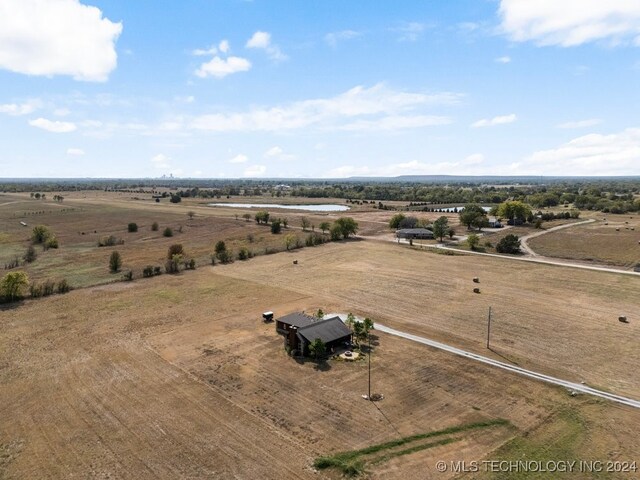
(615, 195)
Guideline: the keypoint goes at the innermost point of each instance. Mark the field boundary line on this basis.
(578, 387)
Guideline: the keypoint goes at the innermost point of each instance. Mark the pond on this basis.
(309, 208)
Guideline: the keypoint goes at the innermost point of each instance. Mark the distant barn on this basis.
(299, 330)
(415, 233)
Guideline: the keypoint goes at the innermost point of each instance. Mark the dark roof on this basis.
(327, 330)
(415, 231)
(297, 319)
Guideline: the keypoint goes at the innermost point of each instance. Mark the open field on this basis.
(613, 244)
(543, 314)
(177, 377)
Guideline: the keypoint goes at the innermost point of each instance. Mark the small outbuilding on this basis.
(415, 233)
(299, 330)
(494, 222)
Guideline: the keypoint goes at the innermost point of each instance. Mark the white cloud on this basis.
(410, 32)
(360, 108)
(491, 122)
(224, 46)
(278, 154)
(255, 171)
(161, 162)
(571, 22)
(220, 68)
(594, 154)
(240, 158)
(53, 126)
(262, 40)
(57, 37)
(397, 122)
(61, 112)
(273, 152)
(259, 40)
(333, 38)
(15, 109)
(581, 123)
(467, 166)
(505, 59)
(473, 159)
(205, 52)
(76, 152)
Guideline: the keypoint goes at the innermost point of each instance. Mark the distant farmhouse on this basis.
(415, 233)
(494, 222)
(299, 330)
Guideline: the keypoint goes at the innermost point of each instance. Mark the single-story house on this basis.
(414, 233)
(494, 222)
(299, 330)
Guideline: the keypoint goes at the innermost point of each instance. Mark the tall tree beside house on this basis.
(440, 227)
(317, 348)
(472, 215)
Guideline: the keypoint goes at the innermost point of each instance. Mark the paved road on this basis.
(577, 387)
(523, 240)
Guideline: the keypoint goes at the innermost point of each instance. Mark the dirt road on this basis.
(523, 240)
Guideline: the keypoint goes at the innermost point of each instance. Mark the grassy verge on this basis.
(351, 463)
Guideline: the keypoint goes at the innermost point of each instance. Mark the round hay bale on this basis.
(476, 290)
(476, 280)
(623, 319)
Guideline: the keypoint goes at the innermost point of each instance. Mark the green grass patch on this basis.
(351, 464)
(559, 439)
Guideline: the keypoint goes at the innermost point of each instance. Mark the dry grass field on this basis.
(177, 377)
(616, 244)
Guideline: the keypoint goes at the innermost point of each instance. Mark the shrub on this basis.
(39, 234)
(243, 254)
(48, 287)
(115, 262)
(224, 256)
(473, 240)
(63, 286)
(276, 227)
(12, 264)
(147, 271)
(172, 265)
(220, 247)
(127, 276)
(509, 244)
(51, 242)
(35, 290)
(175, 249)
(109, 241)
(175, 198)
(168, 232)
(13, 284)
(154, 226)
(132, 227)
(157, 270)
(192, 264)
(30, 255)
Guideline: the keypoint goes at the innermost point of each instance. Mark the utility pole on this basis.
(369, 339)
(489, 327)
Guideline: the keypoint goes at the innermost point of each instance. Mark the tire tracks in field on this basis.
(511, 368)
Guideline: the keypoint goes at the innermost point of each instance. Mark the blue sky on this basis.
(230, 88)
